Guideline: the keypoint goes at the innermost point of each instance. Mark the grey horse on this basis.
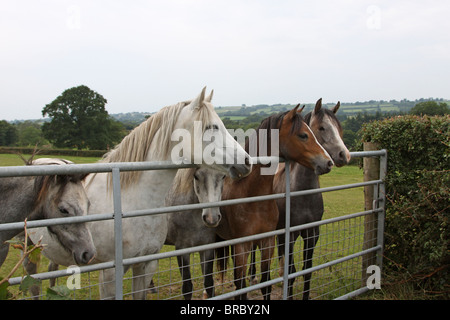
(42, 197)
(306, 209)
(195, 227)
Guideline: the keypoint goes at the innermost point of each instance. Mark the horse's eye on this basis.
(303, 136)
(224, 176)
(322, 129)
(195, 177)
(63, 211)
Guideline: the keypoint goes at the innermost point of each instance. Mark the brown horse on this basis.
(296, 143)
(309, 208)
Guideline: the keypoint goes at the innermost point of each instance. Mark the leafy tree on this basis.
(30, 134)
(80, 120)
(8, 134)
(431, 108)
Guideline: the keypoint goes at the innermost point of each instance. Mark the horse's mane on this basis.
(183, 181)
(155, 130)
(42, 184)
(274, 122)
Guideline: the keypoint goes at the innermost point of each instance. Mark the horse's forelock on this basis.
(319, 116)
(183, 180)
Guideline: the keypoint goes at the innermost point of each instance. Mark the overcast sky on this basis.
(144, 55)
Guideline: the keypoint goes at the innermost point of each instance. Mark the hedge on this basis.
(54, 152)
(417, 189)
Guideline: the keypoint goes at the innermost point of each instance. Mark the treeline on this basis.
(351, 124)
(30, 133)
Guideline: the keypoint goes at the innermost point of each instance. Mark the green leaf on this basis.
(28, 282)
(35, 255)
(58, 293)
(4, 293)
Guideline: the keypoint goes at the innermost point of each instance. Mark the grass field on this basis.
(336, 204)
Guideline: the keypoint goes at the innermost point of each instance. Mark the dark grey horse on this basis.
(306, 209)
(195, 227)
(42, 197)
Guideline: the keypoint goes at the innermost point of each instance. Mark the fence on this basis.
(347, 247)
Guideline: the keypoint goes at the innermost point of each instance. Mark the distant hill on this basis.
(132, 119)
(346, 109)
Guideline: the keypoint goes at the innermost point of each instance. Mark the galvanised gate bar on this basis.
(348, 244)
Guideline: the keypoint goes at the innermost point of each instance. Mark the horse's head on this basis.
(298, 143)
(64, 196)
(328, 131)
(206, 141)
(208, 185)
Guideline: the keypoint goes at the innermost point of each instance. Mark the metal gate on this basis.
(346, 262)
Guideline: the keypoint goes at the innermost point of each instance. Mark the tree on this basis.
(431, 108)
(80, 120)
(30, 134)
(8, 134)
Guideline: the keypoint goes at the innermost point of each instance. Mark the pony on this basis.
(197, 226)
(297, 143)
(156, 139)
(46, 197)
(305, 209)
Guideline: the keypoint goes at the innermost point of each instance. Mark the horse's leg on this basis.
(280, 247)
(4, 248)
(241, 252)
(185, 270)
(207, 263)
(252, 268)
(310, 238)
(142, 277)
(267, 247)
(282, 259)
(107, 284)
(52, 267)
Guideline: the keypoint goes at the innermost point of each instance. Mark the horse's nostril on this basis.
(86, 257)
(330, 164)
(247, 160)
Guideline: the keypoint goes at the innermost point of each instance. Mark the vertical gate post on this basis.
(287, 231)
(118, 243)
(381, 204)
(371, 167)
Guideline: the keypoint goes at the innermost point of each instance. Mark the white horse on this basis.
(153, 140)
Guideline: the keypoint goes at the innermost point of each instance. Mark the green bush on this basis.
(417, 189)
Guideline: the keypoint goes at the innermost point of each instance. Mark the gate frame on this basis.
(379, 197)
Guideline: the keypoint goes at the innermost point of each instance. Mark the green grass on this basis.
(168, 277)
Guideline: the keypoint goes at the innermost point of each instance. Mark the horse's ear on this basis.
(318, 106)
(301, 109)
(198, 102)
(336, 107)
(291, 114)
(209, 98)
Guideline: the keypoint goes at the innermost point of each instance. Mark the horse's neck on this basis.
(18, 200)
(259, 184)
(303, 178)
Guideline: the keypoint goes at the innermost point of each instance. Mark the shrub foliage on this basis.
(417, 187)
